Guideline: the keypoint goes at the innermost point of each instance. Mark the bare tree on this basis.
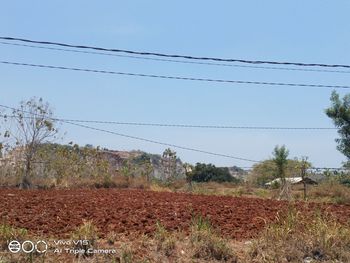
(33, 126)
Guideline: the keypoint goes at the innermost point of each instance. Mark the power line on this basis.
(177, 77)
(198, 126)
(173, 125)
(327, 168)
(175, 61)
(176, 56)
(144, 139)
(165, 144)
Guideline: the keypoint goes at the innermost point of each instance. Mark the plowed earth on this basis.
(58, 212)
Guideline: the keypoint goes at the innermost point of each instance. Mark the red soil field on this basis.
(57, 213)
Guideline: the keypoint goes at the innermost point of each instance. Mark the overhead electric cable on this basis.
(144, 139)
(160, 143)
(173, 125)
(174, 55)
(177, 77)
(163, 143)
(175, 61)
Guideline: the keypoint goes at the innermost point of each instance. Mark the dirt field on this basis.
(58, 212)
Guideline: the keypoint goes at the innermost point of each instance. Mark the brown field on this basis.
(132, 212)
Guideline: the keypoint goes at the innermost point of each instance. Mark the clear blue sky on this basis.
(306, 31)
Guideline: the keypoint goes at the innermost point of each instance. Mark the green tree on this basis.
(127, 171)
(169, 164)
(339, 112)
(208, 172)
(266, 171)
(280, 155)
(71, 163)
(280, 158)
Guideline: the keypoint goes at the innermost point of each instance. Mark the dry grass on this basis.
(8, 233)
(159, 188)
(330, 191)
(229, 189)
(87, 231)
(165, 241)
(111, 237)
(294, 238)
(207, 244)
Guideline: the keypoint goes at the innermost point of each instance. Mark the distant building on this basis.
(292, 181)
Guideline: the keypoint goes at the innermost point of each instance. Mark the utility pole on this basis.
(304, 167)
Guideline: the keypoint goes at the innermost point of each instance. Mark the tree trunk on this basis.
(26, 184)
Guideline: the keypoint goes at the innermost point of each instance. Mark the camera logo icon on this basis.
(14, 246)
(27, 246)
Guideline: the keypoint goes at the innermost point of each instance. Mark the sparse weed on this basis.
(158, 188)
(8, 233)
(165, 241)
(206, 243)
(126, 255)
(111, 237)
(263, 193)
(87, 231)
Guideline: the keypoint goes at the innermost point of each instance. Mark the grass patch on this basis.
(165, 241)
(87, 231)
(331, 191)
(126, 256)
(297, 238)
(207, 244)
(8, 233)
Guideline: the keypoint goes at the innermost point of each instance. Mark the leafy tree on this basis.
(267, 170)
(208, 172)
(69, 163)
(263, 172)
(280, 159)
(169, 164)
(127, 170)
(339, 112)
(189, 174)
(4, 134)
(144, 164)
(34, 125)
